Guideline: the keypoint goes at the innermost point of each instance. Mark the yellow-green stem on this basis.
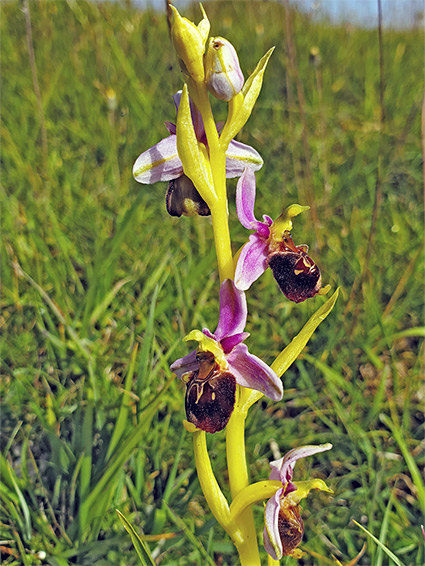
(222, 240)
(248, 551)
(212, 492)
(238, 479)
(217, 156)
(247, 546)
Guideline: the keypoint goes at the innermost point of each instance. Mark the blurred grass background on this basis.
(99, 285)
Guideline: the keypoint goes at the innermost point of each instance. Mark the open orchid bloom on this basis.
(284, 527)
(271, 246)
(222, 354)
(162, 163)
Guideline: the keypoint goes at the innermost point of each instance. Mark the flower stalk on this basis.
(222, 378)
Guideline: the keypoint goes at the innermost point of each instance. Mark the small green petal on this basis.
(251, 89)
(284, 222)
(303, 489)
(207, 344)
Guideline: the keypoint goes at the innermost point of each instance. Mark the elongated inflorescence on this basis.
(221, 377)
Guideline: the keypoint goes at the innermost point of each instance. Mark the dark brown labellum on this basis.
(210, 395)
(183, 198)
(291, 528)
(295, 272)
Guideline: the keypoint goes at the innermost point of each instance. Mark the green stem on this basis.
(217, 156)
(245, 538)
(222, 240)
(210, 488)
(238, 480)
(253, 494)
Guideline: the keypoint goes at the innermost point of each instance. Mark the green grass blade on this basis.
(411, 464)
(384, 528)
(121, 422)
(121, 455)
(382, 546)
(86, 464)
(141, 548)
(191, 537)
(142, 370)
(10, 473)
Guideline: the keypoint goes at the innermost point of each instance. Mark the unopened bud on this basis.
(183, 198)
(189, 43)
(222, 70)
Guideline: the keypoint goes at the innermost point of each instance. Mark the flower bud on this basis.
(189, 43)
(223, 74)
(183, 198)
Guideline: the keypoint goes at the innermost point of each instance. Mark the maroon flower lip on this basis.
(182, 198)
(291, 529)
(210, 395)
(295, 272)
(284, 528)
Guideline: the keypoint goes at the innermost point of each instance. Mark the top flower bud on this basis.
(223, 74)
(189, 42)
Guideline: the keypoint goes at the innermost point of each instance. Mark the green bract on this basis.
(192, 153)
(250, 92)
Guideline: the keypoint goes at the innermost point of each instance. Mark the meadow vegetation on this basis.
(99, 285)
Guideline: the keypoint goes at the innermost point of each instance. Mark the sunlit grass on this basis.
(99, 286)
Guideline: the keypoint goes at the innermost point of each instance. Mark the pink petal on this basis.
(185, 364)
(252, 262)
(170, 127)
(239, 156)
(230, 342)
(271, 536)
(245, 198)
(233, 311)
(253, 373)
(282, 469)
(159, 163)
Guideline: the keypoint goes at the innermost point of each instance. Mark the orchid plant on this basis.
(222, 378)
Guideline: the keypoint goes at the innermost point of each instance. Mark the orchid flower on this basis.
(222, 360)
(271, 246)
(162, 162)
(284, 527)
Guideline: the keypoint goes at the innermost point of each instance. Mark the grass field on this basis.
(100, 285)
